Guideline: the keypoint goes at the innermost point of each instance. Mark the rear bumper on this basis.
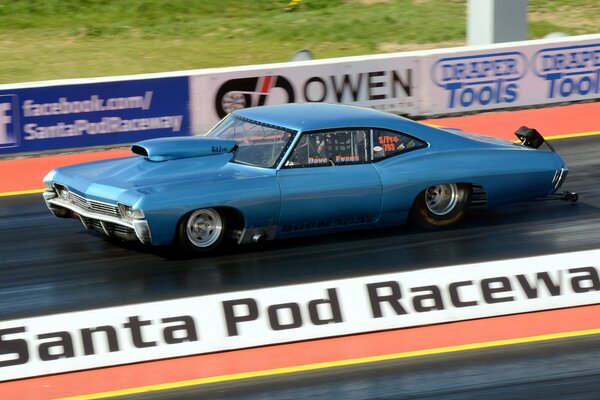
(130, 230)
(559, 178)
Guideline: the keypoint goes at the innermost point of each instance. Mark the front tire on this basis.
(201, 230)
(441, 205)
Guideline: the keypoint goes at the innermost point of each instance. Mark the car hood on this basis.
(110, 179)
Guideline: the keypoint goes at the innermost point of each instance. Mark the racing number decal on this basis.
(389, 142)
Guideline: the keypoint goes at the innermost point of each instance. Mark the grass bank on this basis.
(54, 39)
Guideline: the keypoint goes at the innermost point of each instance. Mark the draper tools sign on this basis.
(569, 71)
(484, 80)
(383, 83)
(81, 115)
(512, 75)
(140, 332)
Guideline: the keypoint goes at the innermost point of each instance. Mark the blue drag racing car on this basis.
(300, 169)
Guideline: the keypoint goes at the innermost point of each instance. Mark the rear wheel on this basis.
(441, 205)
(201, 230)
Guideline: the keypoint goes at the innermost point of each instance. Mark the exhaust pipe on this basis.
(259, 237)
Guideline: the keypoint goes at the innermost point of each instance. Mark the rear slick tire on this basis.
(441, 205)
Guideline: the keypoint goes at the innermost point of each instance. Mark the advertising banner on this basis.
(443, 81)
(387, 83)
(92, 114)
(511, 75)
(226, 321)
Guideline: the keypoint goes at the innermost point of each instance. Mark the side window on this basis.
(331, 148)
(388, 143)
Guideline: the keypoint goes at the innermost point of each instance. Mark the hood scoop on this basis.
(164, 149)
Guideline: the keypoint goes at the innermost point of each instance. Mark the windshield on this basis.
(259, 144)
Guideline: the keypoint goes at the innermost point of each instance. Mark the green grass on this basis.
(55, 39)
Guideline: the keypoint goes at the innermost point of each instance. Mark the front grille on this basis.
(109, 229)
(95, 206)
(122, 229)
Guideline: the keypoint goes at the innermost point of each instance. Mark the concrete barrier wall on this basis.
(108, 111)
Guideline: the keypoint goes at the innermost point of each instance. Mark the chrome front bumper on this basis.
(137, 229)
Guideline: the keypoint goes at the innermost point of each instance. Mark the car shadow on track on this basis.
(521, 219)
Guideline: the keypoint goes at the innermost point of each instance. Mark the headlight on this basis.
(49, 192)
(129, 213)
(62, 191)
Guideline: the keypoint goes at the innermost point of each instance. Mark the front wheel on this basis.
(201, 230)
(441, 205)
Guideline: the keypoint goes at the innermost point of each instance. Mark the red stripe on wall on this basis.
(550, 121)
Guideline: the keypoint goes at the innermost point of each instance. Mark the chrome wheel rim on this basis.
(441, 199)
(204, 227)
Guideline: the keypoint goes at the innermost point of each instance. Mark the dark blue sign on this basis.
(92, 114)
